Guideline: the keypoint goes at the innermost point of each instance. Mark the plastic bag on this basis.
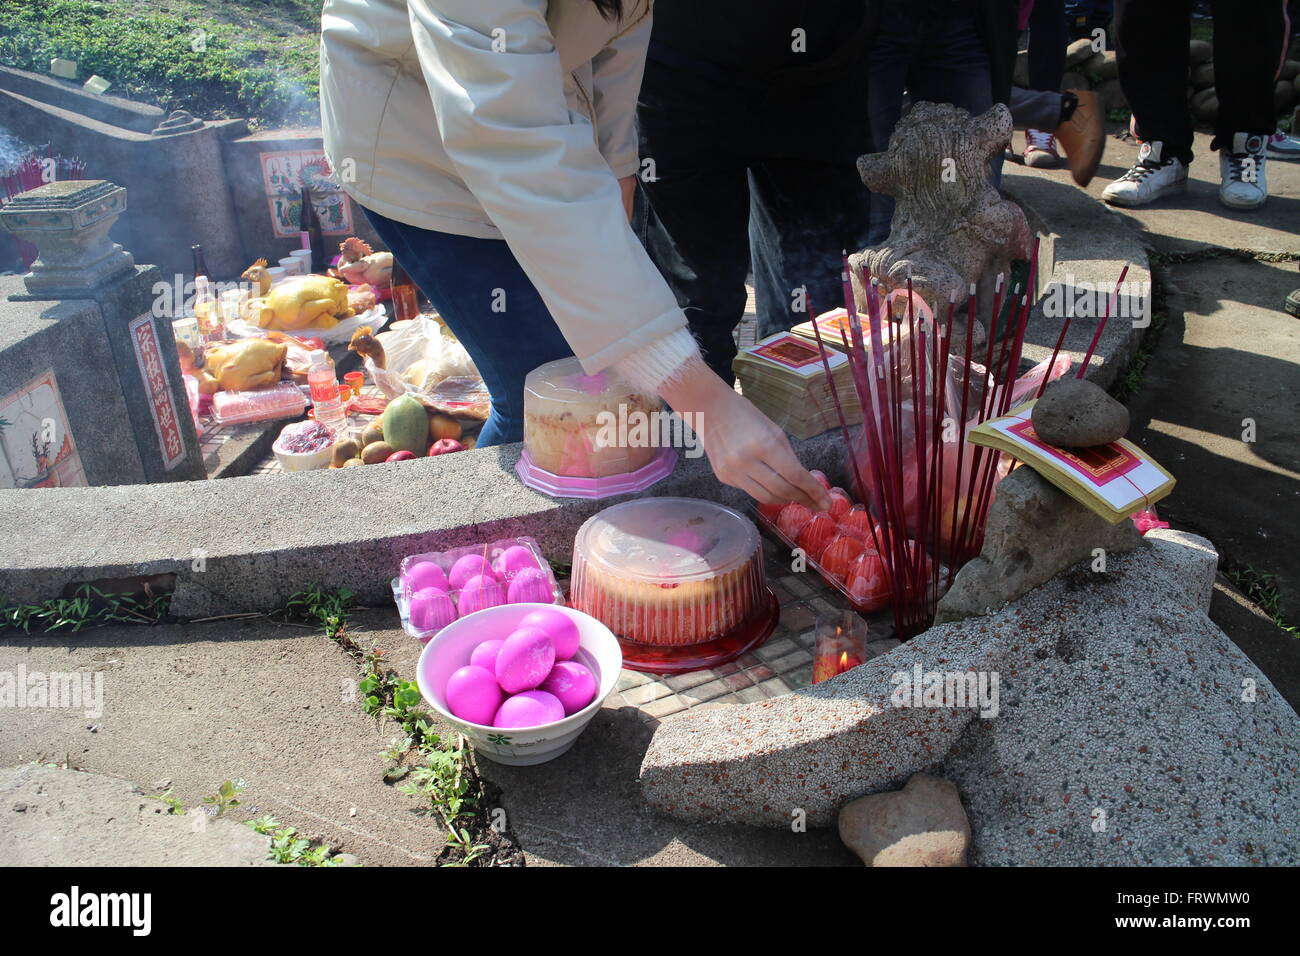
(419, 358)
(954, 449)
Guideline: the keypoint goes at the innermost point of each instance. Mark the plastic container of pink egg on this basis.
(435, 588)
(520, 681)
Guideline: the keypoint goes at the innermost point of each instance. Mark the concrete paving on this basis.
(191, 706)
(1228, 353)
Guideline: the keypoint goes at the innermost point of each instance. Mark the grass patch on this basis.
(440, 773)
(1128, 382)
(257, 59)
(287, 846)
(1260, 587)
(88, 607)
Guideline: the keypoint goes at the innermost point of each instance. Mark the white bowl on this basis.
(303, 461)
(449, 650)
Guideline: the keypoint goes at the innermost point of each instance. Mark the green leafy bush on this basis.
(251, 59)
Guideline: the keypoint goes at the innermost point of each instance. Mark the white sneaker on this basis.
(1282, 146)
(1241, 170)
(1148, 179)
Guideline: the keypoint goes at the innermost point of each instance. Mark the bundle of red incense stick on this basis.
(928, 492)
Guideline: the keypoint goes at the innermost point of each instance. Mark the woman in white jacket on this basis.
(491, 144)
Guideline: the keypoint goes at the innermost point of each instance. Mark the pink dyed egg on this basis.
(573, 684)
(559, 627)
(525, 658)
(474, 695)
(426, 574)
(532, 708)
(479, 592)
(466, 567)
(530, 586)
(514, 559)
(485, 655)
(430, 609)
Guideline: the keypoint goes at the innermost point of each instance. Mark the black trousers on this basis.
(1151, 38)
(1048, 38)
(741, 172)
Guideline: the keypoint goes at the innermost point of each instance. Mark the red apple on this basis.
(401, 456)
(445, 446)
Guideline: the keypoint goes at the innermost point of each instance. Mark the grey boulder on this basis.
(1077, 413)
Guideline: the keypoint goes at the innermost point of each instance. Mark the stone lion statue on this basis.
(950, 227)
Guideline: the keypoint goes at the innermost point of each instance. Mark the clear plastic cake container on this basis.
(669, 572)
(593, 436)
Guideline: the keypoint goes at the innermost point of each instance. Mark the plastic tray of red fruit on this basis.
(837, 544)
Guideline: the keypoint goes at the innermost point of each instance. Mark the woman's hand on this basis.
(745, 449)
(628, 186)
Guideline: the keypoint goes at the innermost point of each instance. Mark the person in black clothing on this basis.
(1151, 43)
(751, 120)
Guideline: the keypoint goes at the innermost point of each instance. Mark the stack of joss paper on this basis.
(790, 379)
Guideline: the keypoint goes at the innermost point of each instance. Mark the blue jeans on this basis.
(464, 278)
(940, 60)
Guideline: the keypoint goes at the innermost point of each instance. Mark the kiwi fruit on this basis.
(353, 462)
(372, 433)
(343, 450)
(376, 452)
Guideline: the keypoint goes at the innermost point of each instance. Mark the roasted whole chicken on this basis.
(358, 264)
(241, 365)
(302, 302)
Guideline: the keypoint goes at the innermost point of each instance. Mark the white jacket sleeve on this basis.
(616, 78)
(497, 88)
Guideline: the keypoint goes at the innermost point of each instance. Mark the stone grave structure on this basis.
(92, 391)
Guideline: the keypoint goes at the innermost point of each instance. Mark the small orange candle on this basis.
(841, 646)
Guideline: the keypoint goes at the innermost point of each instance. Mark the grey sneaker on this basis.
(1148, 179)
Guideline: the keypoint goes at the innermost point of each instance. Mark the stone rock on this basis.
(1092, 64)
(948, 231)
(805, 754)
(1078, 52)
(1074, 80)
(1205, 106)
(1078, 413)
(1103, 66)
(1284, 96)
(1203, 76)
(1033, 532)
(1199, 51)
(1132, 731)
(921, 825)
(1290, 70)
(1111, 96)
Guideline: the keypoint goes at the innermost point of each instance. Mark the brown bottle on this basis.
(405, 301)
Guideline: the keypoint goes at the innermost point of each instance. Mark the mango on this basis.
(406, 425)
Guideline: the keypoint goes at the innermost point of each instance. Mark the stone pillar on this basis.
(69, 223)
